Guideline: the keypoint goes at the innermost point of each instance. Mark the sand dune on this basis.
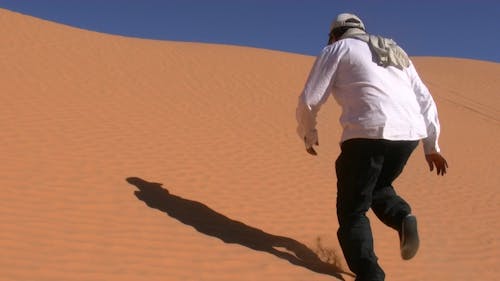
(133, 159)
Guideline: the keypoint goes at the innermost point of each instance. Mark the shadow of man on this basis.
(210, 222)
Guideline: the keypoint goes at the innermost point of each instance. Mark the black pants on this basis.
(365, 171)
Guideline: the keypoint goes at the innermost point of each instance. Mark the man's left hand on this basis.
(310, 149)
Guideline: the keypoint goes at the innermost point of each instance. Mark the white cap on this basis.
(347, 20)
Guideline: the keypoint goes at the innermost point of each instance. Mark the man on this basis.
(386, 110)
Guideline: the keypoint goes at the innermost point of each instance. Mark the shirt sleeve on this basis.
(428, 110)
(315, 94)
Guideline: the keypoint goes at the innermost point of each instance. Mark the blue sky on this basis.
(447, 28)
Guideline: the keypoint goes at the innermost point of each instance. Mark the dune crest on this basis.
(89, 119)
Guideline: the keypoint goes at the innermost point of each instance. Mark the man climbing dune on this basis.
(386, 111)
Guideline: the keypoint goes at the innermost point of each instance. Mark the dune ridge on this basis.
(86, 115)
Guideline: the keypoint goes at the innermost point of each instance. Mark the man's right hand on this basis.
(438, 161)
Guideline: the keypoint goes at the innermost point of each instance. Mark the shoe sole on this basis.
(409, 240)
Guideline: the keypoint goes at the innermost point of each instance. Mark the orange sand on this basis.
(89, 119)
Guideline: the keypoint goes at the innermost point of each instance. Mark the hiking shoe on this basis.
(408, 237)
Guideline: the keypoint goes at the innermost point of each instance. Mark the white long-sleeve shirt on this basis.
(377, 102)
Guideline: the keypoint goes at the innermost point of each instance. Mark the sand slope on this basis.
(93, 124)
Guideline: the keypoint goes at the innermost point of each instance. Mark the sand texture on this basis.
(131, 159)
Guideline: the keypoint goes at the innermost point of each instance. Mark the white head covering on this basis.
(348, 20)
(385, 51)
